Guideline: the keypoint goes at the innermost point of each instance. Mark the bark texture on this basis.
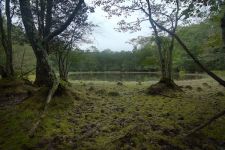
(44, 73)
(6, 39)
(40, 38)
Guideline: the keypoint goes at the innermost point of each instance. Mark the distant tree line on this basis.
(204, 39)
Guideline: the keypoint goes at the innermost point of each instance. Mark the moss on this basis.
(113, 93)
(132, 120)
(163, 86)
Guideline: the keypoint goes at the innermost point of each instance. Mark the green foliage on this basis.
(23, 56)
(205, 41)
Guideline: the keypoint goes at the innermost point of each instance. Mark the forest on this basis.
(167, 92)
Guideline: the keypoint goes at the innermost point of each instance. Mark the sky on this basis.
(105, 36)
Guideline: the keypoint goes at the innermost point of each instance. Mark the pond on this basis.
(128, 76)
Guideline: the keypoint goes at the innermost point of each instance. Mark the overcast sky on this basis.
(105, 36)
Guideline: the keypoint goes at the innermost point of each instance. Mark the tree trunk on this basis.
(223, 28)
(9, 57)
(158, 42)
(7, 40)
(170, 60)
(45, 75)
(64, 76)
(63, 64)
(159, 45)
(211, 74)
(9, 64)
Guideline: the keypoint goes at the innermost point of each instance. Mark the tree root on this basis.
(215, 117)
(164, 85)
(51, 93)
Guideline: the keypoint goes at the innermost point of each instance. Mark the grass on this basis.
(104, 115)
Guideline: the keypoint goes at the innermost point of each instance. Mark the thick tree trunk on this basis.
(9, 56)
(44, 73)
(7, 40)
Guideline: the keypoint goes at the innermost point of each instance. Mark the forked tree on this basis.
(169, 17)
(63, 45)
(43, 20)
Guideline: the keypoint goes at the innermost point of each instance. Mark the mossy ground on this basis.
(105, 115)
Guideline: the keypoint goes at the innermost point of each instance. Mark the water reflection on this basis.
(118, 76)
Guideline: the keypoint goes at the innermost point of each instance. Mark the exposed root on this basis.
(48, 100)
(163, 86)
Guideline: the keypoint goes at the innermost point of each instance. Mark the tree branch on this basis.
(217, 116)
(211, 74)
(67, 23)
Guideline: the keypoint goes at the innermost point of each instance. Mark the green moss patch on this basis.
(92, 119)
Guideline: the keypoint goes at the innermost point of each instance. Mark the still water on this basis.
(118, 76)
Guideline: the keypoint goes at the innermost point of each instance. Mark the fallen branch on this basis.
(48, 100)
(217, 116)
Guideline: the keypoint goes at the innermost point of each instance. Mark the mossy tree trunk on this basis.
(44, 73)
(39, 38)
(6, 39)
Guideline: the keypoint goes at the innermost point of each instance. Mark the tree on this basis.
(67, 41)
(210, 73)
(49, 26)
(168, 17)
(156, 21)
(215, 7)
(6, 38)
